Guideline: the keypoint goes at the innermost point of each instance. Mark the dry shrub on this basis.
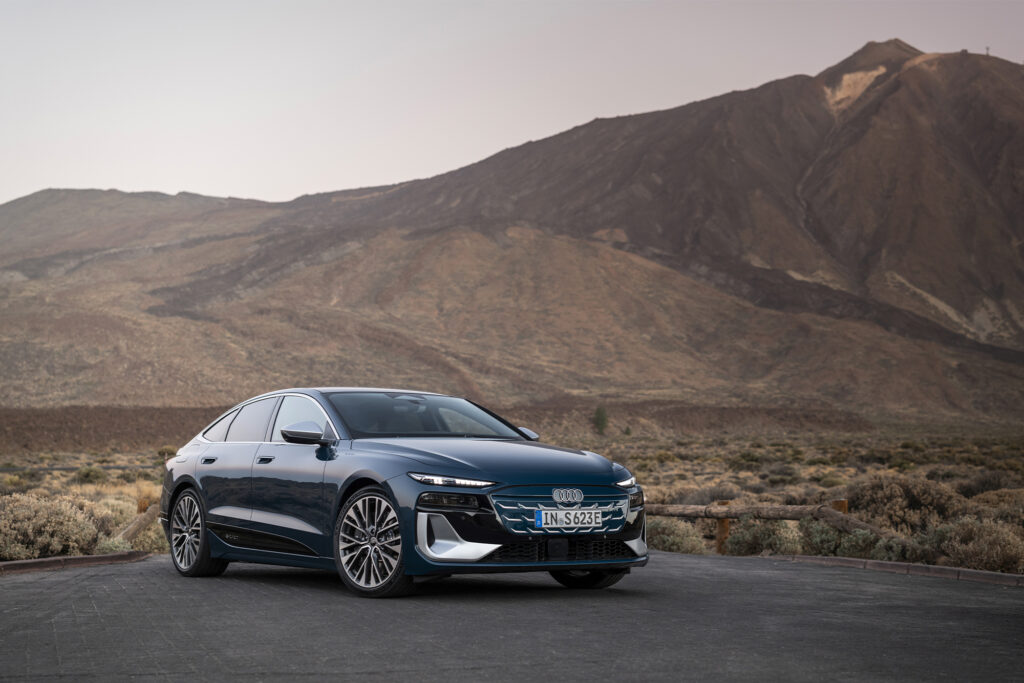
(89, 475)
(755, 536)
(1007, 504)
(858, 543)
(982, 544)
(152, 540)
(672, 535)
(906, 505)
(818, 538)
(983, 482)
(32, 527)
(107, 545)
(706, 495)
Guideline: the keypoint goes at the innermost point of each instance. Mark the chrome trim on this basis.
(448, 546)
(203, 439)
(638, 545)
(513, 510)
(231, 511)
(284, 521)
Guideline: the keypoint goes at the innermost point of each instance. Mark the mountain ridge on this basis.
(845, 199)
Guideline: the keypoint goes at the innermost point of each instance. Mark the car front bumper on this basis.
(499, 535)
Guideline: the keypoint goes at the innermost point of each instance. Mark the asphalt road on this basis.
(680, 618)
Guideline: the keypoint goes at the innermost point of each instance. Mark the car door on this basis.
(288, 479)
(224, 470)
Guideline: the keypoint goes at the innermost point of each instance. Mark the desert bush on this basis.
(982, 483)
(782, 473)
(817, 538)
(600, 419)
(745, 460)
(107, 545)
(890, 550)
(166, 452)
(907, 505)
(32, 527)
(151, 540)
(706, 495)
(982, 544)
(674, 535)
(89, 475)
(1006, 505)
(831, 480)
(755, 536)
(858, 543)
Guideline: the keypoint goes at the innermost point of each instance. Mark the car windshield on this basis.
(380, 414)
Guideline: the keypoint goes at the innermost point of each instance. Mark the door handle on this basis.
(264, 459)
(209, 461)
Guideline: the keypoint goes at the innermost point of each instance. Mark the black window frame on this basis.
(230, 417)
(266, 428)
(280, 404)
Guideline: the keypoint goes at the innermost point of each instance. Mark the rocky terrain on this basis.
(849, 242)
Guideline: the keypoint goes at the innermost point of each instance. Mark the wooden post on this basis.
(722, 532)
(841, 505)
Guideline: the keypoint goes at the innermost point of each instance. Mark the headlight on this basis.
(627, 483)
(438, 480)
(636, 499)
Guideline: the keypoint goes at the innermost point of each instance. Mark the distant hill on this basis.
(849, 240)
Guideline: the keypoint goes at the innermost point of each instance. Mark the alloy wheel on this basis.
(186, 530)
(369, 542)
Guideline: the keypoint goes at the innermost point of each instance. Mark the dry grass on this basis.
(958, 496)
(71, 513)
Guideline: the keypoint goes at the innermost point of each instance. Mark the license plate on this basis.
(566, 519)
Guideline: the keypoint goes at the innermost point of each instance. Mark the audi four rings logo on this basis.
(567, 495)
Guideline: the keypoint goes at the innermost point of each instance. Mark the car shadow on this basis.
(523, 586)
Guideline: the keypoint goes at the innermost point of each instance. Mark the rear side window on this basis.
(219, 429)
(251, 423)
(295, 409)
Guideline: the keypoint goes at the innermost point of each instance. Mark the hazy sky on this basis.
(276, 99)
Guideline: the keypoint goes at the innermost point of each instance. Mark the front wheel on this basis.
(190, 543)
(368, 546)
(589, 578)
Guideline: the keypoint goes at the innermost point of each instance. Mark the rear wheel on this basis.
(589, 578)
(190, 542)
(368, 546)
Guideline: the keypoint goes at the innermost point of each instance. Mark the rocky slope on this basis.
(851, 239)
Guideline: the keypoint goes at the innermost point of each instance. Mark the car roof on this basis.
(338, 390)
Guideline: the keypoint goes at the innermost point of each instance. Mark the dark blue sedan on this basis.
(387, 485)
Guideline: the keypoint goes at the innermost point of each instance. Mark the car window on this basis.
(219, 429)
(295, 409)
(454, 421)
(396, 414)
(251, 423)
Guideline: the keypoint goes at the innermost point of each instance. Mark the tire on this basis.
(368, 546)
(589, 578)
(190, 542)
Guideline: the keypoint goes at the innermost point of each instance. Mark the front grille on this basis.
(579, 550)
(517, 512)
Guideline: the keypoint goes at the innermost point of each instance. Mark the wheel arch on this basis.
(358, 481)
(179, 487)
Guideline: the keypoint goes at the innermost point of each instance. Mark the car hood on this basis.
(509, 462)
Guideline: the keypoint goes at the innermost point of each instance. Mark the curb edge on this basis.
(956, 573)
(13, 567)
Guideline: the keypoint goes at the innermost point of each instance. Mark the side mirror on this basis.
(305, 433)
(530, 434)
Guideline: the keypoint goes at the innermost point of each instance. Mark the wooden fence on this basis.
(833, 513)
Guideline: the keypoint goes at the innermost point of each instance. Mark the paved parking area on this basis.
(680, 618)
